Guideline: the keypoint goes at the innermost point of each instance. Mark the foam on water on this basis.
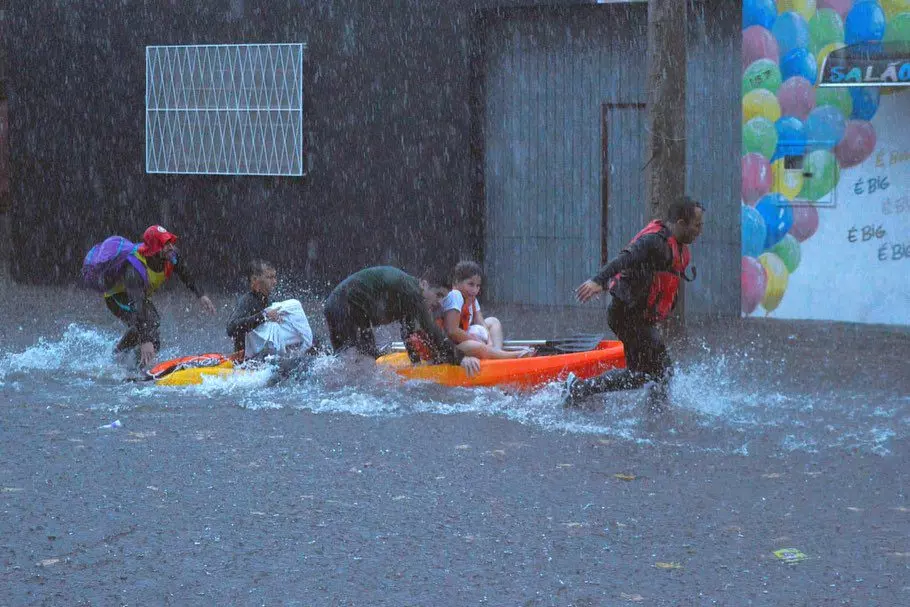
(721, 401)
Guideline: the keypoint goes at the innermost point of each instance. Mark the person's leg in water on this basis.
(119, 307)
(346, 331)
(645, 353)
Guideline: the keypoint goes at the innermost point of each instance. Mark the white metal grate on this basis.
(228, 109)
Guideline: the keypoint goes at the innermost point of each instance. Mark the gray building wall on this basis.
(564, 133)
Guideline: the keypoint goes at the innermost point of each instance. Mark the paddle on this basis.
(582, 342)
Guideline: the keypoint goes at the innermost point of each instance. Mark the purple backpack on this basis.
(103, 266)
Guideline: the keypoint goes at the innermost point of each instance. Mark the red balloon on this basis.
(756, 177)
(759, 43)
(805, 221)
(858, 143)
(754, 281)
(796, 97)
(842, 7)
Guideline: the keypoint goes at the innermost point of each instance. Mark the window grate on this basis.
(228, 109)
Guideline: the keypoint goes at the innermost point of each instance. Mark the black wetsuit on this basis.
(380, 296)
(247, 315)
(136, 309)
(646, 354)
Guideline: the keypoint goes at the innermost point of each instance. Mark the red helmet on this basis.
(154, 239)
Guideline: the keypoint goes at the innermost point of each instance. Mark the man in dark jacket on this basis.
(129, 300)
(383, 295)
(644, 280)
(250, 311)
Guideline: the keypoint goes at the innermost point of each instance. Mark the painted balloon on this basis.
(820, 174)
(842, 7)
(760, 102)
(805, 222)
(761, 74)
(865, 23)
(777, 213)
(759, 12)
(806, 8)
(777, 280)
(799, 62)
(839, 97)
(759, 43)
(857, 145)
(756, 177)
(825, 28)
(791, 137)
(898, 29)
(760, 137)
(788, 251)
(753, 231)
(865, 101)
(895, 7)
(787, 182)
(791, 31)
(824, 127)
(796, 97)
(754, 282)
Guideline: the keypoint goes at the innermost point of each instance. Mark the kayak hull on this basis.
(195, 376)
(515, 373)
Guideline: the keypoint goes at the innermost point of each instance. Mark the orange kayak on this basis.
(516, 373)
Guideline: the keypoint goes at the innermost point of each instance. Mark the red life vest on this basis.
(664, 283)
(464, 318)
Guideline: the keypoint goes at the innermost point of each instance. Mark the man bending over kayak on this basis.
(382, 295)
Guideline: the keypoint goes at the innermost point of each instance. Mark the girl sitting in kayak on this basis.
(465, 324)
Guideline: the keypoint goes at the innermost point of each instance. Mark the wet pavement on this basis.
(352, 489)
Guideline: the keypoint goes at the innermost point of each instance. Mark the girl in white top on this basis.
(463, 321)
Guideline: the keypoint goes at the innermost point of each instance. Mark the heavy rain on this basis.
(422, 430)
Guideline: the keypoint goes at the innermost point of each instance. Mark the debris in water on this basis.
(625, 477)
(790, 555)
(47, 562)
(635, 598)
(462, 447)
(661, 565)
(11, 489)
(111, 426)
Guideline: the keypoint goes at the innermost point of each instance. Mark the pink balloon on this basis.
(754, 281)
(756, 177)
(796, 97)
(805, 221)
(857, 144)
(759, 43)
(841, 6)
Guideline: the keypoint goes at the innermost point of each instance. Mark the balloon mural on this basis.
(785, 43)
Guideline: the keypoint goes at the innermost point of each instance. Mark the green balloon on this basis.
(761, 74)
(759, 136)
(898, 29)
(824, 28)
(788, 250)
(839, 97)
(820, 174)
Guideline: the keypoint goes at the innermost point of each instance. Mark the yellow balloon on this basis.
(825, 51)
(788, 182)
(806, 8)
(777, 280)
(760, 102)
(894, 7)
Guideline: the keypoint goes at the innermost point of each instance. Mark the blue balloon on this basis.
(791, 31)
(775, 209)
(865, 23)
(753, 228)
(865, 101)
(759, 12)
(799, 62)
(825, 127)
(791, 137)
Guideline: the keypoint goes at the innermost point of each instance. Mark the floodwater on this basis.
(353, 488)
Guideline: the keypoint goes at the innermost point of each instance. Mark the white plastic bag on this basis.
(293, 332)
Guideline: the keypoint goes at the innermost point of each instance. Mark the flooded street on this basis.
(351, 488)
